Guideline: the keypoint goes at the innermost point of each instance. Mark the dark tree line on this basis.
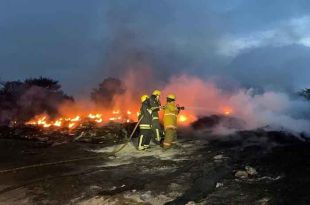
(305, 93)
(22, 100)
(106, 91)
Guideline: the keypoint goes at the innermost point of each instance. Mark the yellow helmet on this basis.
(171, 96)
(156, 92)
(144, 97)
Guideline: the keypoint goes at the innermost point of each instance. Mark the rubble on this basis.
(190, 203)
(111, 133)
(209, 122)
(255, 168)
(263, 201)
(244, 174)
(241, 174)
(218, 185)
(250, 170)
(218, 157)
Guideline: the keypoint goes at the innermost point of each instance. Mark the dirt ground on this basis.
(201, 169)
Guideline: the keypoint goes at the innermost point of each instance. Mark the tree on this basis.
(305, 93)
(21, 101)
(104, 94)
(44, 83)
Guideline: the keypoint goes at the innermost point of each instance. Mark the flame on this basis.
(71, 125)
(112, 118)
(91, 116)
(185, 118)
(115, 112)
(99, 120)
(77, 118)
(58, 123)
(182, 118)
(227, 111)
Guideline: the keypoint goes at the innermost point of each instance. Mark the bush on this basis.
(104, 94)
(21, 101)
(305, 93)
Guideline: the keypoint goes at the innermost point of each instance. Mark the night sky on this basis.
(80, 42)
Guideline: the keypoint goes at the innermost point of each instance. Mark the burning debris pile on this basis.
(37, 109)
(89, 132)
(91, 128)
(73, 122)
(117, 101)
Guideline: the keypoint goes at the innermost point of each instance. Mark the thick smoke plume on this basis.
(270, 109)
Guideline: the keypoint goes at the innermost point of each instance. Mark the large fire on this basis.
(76, 120)
(205, 99)
(73, 121)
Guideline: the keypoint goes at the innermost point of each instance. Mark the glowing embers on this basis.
(185, 118)
(96, 117)
(227, 111)
(182, 118)
(58, 123)
(43, 121)
(115, 116)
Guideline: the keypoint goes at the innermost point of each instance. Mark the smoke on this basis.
(165, 45)
(270, 109)
(21, 101)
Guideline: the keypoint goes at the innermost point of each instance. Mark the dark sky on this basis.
(80, 42)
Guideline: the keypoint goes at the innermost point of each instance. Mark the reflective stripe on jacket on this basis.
(145, 126)
(170, 115)
(145, 111)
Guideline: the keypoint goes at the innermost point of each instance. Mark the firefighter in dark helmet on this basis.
(171, 112)
(155, 106)
(145, 123)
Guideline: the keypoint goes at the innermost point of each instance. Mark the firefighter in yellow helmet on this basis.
(171, 112)
(145, 123)
(155, 106)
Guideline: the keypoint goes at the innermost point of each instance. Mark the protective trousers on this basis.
(144, 138)
(156, 129)
(170, 137)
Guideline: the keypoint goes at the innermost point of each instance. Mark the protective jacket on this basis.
(170, 115)
(155, 105)
(146, 112)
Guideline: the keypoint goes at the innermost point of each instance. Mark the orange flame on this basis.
(76, 120)
(227, 110)
(182, 118)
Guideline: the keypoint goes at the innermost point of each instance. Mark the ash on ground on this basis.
(246, 167)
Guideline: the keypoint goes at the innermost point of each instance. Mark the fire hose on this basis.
(74, 160)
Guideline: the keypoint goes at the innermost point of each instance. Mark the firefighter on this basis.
(171, 112)
(155, 105)
(145, 124)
